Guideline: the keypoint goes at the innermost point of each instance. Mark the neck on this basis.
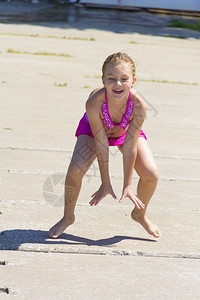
(117, 102)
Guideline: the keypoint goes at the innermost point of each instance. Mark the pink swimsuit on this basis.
(84, 125)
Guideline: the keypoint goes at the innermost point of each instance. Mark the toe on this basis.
(54, 236)
(157, 233)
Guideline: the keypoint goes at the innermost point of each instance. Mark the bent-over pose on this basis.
(114, 117)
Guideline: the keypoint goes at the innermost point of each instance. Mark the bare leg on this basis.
(146, 168)
(83, 156)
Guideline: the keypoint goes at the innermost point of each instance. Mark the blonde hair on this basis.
(115, 59)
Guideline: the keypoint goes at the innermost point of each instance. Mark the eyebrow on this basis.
(111, 74)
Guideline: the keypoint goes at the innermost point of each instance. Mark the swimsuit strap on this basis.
(129, 110)
(107, 121)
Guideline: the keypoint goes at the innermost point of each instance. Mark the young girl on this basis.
(114, 117)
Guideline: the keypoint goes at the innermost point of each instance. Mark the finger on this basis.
(92, 202)
(138, 203)
(142, 205)
(95, 200)
(121, 199)
(94, 194)
(114, 196)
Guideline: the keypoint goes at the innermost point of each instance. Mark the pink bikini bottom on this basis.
(84, 128)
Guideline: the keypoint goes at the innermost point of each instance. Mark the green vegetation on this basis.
(49, 36)
(81, 39)
(175, 36)
(20, 34)
(38, 53)
(181, 24)
(132, 42)
(94, 76)
(166, 81)
(153, 80)
(56, 7)
(86, 86)
(60, 84)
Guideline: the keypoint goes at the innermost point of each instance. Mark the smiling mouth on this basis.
(117, 92)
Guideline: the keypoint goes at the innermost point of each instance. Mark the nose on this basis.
(118, 82)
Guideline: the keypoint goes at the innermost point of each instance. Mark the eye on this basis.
(124, 79)
(111, 79)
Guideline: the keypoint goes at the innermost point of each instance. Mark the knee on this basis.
(151, 175)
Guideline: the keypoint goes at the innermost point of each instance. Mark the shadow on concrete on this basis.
(13, 239)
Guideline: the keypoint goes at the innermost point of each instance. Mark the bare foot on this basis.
(150, 227)
(60, 227)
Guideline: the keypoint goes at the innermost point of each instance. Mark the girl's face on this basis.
(118, 80)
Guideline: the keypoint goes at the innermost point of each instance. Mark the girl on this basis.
(114, 117)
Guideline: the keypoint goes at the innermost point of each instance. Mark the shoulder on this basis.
(138, 100)
(93, 109)
(95, 99)
(140, 107)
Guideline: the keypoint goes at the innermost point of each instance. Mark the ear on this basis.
(103, 80)
(134, 80)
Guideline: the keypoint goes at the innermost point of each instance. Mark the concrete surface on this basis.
(99, 276)
(104, 255)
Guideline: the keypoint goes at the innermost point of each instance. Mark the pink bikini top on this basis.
(107, 121)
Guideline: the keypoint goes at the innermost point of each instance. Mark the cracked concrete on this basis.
(118, 275)
(104, 255)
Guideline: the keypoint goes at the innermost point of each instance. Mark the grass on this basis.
(153, 80)
(81, 39)
(175, 36)
(181, 24)
(132, 42)
(95, 76)
(56, 7)
(49, 36)
(38, 53)
(166, 81)
(86, 86)
(60, 84)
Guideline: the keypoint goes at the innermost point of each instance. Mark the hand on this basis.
(128, 192)
(104, 190)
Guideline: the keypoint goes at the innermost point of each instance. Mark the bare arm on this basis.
(101, 140)
(130, 146)
(93, 108)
